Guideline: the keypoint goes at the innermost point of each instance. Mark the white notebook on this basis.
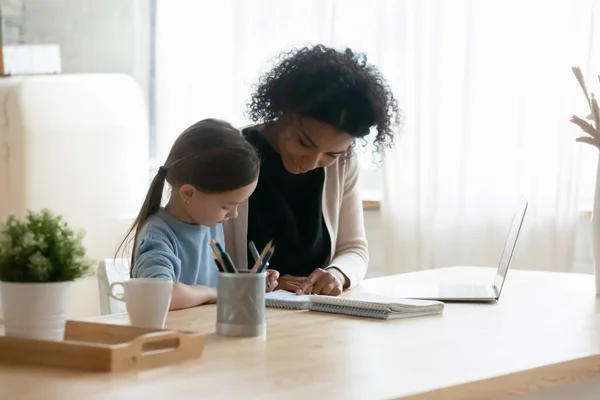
(360, 305)
(375, 306)
(285, 299)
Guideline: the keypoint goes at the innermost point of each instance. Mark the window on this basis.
(209, 54)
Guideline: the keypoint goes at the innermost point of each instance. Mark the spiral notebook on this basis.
(375, 306)
(289, 300)
(360, 305)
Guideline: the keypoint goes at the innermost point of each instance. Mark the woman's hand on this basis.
(328, 282)
(290, 283)
(272, 276)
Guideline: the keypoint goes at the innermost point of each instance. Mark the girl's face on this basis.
(210, 209)
(306, 143)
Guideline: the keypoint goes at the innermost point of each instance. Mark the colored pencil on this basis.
(223, 257)
(218, 264)
(265, 263)
(258, 262)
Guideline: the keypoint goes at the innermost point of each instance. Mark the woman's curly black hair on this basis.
(335, 87)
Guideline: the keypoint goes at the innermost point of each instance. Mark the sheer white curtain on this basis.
(488, 92)
(485, 86)
(209, 53)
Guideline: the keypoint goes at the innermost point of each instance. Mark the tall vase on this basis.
(596, 230)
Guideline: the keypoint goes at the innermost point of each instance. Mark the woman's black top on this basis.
(287, 208)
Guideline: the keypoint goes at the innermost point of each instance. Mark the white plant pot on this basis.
(596, 231)
(35, 310)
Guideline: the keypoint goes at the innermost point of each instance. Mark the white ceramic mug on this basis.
(147, 300)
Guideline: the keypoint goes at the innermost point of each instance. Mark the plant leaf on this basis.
(595, 111)
(588, 140)
(579, 76)
(585, 126)
(41, 248)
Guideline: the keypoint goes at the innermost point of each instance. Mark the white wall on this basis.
(93, 35)
(376, 249)
(582, 262)
(584, 259)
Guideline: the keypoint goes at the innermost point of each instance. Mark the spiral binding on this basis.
(290, 305)
(379, 313)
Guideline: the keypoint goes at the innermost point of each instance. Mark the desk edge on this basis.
(517, 383)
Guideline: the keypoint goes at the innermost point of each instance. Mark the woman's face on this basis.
(306, 143)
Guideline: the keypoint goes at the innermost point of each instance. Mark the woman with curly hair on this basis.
(310, 109)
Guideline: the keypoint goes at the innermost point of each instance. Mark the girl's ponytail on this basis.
(149, 207)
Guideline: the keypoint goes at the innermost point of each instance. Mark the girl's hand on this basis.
(272, 276)
(186, 296)
(212, 296)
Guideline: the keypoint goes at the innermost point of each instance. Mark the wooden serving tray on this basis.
(90, 346)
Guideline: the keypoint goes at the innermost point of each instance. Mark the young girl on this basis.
(211, 169)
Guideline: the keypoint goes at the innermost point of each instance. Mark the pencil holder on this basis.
(241, 304)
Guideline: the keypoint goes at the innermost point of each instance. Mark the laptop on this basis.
(479, 292)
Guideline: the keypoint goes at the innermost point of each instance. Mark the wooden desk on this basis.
(543, 332)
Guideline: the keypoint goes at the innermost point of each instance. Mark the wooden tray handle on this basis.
(159, 348)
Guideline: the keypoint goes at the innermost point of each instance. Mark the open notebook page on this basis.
(285, 299)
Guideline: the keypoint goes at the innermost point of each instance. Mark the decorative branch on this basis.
(592, 129)
(585, 126)
(588, 140)
(595, 111)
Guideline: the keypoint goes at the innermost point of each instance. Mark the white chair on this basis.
(111, 270)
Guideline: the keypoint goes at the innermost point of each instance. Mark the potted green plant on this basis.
(40, 255)
(592, 137)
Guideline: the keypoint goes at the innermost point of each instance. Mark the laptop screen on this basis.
(509, 247)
